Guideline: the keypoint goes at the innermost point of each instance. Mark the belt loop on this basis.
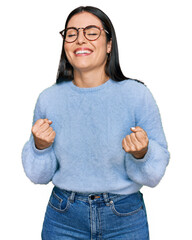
(72, 197)
(106, 199)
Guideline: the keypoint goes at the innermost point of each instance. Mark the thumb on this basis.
(136, 129)
(48, 121)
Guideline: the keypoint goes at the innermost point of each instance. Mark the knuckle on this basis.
(43, 138)
(51, 138)
(144, 132)
(46, 125)
(145, 144)
(132, 149)
(126, 149)
(137, 148)
(126, 137)
(40, 121)
(37, 134)
(139, 134)
(33, 129)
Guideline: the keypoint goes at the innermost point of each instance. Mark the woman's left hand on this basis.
(136, 143)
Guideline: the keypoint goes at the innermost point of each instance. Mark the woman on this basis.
(97, 136)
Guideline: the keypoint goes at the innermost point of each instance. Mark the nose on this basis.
(81, 38)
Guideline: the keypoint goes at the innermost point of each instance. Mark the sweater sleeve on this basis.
(39, 165)
(149, 170)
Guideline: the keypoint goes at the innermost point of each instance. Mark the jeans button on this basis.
(92, 197)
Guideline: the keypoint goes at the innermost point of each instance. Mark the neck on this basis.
(89, 79)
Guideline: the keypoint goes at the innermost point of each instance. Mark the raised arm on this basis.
(146, 161)
(38, 157)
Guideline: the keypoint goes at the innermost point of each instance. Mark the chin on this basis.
(82, 67)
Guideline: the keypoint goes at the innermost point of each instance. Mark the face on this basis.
(96, 51)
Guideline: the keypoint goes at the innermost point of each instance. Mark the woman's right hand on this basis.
(43, 134)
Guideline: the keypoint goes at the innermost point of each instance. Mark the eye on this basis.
(92, 34)
(92, 31)
(71, 35)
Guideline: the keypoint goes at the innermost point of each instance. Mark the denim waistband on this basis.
(99, 197)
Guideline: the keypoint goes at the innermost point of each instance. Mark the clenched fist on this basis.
(43, 134)
(136, 143)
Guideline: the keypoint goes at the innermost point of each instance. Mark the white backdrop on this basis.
(155, 46)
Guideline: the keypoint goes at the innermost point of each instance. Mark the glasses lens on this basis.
(92, 33)
(71, 35)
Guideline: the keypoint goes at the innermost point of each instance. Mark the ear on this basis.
(109, 46)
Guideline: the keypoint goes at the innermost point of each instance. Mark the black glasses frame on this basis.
(63, 32)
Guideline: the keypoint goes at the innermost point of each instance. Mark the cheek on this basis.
(67, 49)
(102, 54)
(68, 53)
(101, 49)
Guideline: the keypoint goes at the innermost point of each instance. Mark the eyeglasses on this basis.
(91, 33)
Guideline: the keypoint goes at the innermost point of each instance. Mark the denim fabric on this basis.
(71, 215)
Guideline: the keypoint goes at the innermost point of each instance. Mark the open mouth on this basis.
(82, 52)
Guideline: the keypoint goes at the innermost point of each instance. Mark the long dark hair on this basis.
(112, 67)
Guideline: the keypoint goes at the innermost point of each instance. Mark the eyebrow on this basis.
(85, 26)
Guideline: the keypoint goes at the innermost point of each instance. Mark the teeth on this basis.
(82, 52)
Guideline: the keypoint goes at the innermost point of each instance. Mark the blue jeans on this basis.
(72, 215)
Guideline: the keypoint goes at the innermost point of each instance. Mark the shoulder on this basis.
(133, 87)
(131, 83)
(134, 90)
(53, 91)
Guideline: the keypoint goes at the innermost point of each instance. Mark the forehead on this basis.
(84, 19)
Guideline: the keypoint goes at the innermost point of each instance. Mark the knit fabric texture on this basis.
(90, 124)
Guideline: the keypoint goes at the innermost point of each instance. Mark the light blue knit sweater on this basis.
(90, 124)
